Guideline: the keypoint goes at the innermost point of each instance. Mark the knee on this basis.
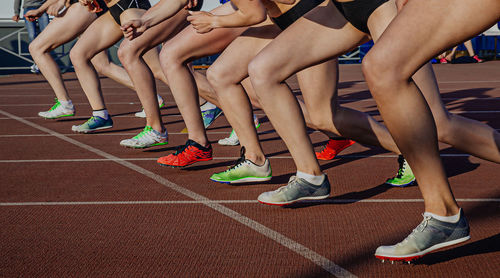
(35, 48)
(126, 53)
(169, 58)
(78, 56)
(219, 77)
(378, 72)
(260, 73)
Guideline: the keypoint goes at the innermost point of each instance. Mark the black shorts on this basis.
(117, 9)
(296, 12)
(357, 12)
(101, 3)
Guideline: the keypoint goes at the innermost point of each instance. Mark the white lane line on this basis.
(215, 158)
(188, 202)
(80, 103)
(296, 247)
(102, 134)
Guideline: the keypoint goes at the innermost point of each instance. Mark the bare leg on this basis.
(100, 35)
(59, 31)
(418, 32)
(226, 75)
(104, 66)
(183, 48)
(142, 68)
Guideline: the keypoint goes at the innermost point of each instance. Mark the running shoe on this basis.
(479, 60)
(34, 69)
(57, 111)
(233, 139)
(210, 115)
(243, 171)
(431, 234)
(404, 177)
(142, 114)
(149, 137)
(93, 124)
(297, 189)
(443, 61)
(333, 147)
(187, 154)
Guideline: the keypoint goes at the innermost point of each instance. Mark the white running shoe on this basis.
(57, 111)
(145, 139)
(232, 140)
(142, 114)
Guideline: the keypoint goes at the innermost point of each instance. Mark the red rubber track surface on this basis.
(80, 205)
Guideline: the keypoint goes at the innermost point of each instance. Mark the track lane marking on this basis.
(296, 247)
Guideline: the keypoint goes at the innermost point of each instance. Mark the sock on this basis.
(207, 106)
(449, 219)
(103, 113)
(316, 180)
(66, 103)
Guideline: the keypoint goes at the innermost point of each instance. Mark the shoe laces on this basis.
(238, 162)
(57, 104)
(182, 148)
(285, 187)
(420, 228)
(402, 167)
(143, 132)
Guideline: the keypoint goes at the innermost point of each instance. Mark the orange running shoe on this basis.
(187, 154)
(333, 147)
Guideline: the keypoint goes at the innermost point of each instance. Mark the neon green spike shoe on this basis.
(404, 177)
(145, 139)
(244, 171)
(57, 111)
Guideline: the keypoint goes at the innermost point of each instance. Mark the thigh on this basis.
(323, 33)
(156, 34)
(63, 29)
(422, 32)
(189, 45)
(100, 35)
(236, 57)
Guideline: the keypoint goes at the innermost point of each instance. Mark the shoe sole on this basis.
(145, 147)
(175, 166)
(401, 185)
(294, 201)
(418, 255)
(244, 180)
(92, 130)
(51, 118)
(227, 144)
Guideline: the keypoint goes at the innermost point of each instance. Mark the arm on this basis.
(248, 13)
(17, 10)
(52, 7)
(158, 13)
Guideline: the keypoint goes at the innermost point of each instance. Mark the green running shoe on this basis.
(243, 171)
(404, 177)
(93, 124)
(57, 111)
(146, 138)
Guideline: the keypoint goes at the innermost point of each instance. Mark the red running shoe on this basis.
(443, 61)
(187, 154)
(332, 148)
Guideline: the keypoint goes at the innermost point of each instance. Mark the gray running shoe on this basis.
(297, 189)
(428, 236)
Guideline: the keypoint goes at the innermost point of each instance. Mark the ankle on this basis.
(257, 159)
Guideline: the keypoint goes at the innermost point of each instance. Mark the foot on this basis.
(187, 154)
(297, 189)
(443, 61)
(146, 138)
(142, 114)
(475, 57)
(34, 69)
(233, 140)
(404, 177)
(93, 124)
(243, 171)
(210, 115)
(430, 235)
(57, 111)
(333, 147)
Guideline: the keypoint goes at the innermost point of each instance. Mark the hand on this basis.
(32, 15)
(91, 5)
(56, 8)
(15, 18)
(400, 4)
(133, 28)
(191, 4)
(203, 22)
